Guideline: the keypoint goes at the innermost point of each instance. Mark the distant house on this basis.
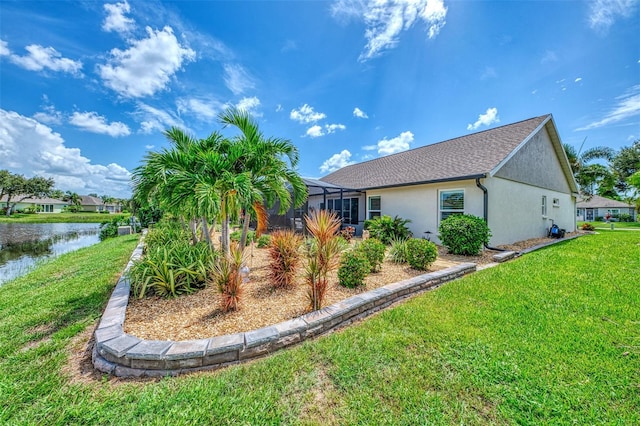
(91, 204)
(515, 176)
(597, 208)
(39, 205)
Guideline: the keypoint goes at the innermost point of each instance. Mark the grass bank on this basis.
(59, 218)
(549, 338)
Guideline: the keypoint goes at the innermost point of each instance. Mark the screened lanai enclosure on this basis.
(347, 203)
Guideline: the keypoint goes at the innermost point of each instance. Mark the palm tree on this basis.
(587, 176)
(269, 165)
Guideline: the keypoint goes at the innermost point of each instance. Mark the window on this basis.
(347, 209)
(374, 207)
(556, 202)
(544, 205)
(451, 202)
(46, 208)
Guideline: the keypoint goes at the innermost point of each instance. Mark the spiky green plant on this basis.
(398, 251)
(323, 254)
(284, 252)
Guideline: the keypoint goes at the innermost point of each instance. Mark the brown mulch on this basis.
(197, 316)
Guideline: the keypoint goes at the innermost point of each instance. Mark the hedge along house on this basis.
(515, 176)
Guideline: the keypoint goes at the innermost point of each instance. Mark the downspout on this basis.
(485, 206)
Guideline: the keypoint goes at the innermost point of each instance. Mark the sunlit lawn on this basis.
(607, 225)
(550, 338)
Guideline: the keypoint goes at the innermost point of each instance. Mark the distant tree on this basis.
(57, 194)
(22, 189)
(5, 180)
(93, 194)
(589, 176)
(625, 164)
(74, 201)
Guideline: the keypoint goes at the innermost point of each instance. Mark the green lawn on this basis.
(616, 225)
(59, 218)
(550, 338)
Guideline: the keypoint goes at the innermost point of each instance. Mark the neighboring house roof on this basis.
(87, 200)
(597, 201)
(467, 157)
(44, 200)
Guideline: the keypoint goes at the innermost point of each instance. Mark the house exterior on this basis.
(91, 204)
(40, 205)
(515, 176)
(598, 207)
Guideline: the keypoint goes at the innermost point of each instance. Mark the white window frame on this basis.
(556, 202)
(450, 211)
(544, 206)
(378, 212)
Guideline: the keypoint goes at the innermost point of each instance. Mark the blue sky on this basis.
(86, 88)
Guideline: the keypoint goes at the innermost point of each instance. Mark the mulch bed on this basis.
(197, 316)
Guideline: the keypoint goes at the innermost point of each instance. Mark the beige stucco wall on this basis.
(515, 211)
(536, 164)
(420, 204)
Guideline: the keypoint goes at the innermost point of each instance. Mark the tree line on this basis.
(18, 188)
(607, 172)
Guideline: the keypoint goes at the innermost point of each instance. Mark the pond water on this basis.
(22, 245)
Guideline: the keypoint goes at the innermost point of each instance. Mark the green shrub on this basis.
(625, 217)
(373, 249)
(354, 268)
(464, 234)
(109, 229)
(398, 251)
(588, 227)
(236, 235)
(386, 229)
(421, 253)
(264, 241)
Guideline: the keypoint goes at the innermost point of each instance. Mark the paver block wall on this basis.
(121, 354)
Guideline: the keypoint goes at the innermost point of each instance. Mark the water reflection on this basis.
(22, 245)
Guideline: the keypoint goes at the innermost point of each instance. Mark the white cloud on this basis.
(41, 58)
(386, 19)
(237, 79)
(603, 13)
(306, 114)
(370, 147)
(627, 106)
(488, 118)
(315, 131)
(250, 105)
(203, 109)
(49, 115)
(397, 144)
(4, 48)
(154, 119)
(45, 154)
(149, 147)
(331, 128)
(92, 122)
(337, 161)
(279, 108)
(147, 66)
(577, 80)
(357, 112)
(116, 19)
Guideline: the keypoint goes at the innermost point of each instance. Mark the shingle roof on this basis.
(597, 201)
(466, 156)
(88, 200)
(34, 200)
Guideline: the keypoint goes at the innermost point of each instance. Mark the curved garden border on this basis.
(124, 355)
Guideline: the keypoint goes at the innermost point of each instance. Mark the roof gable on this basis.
(469, 156)
(596, 201)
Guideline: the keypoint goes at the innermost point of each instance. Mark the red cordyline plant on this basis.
(226, 275)
(284, 251)
(323, 252)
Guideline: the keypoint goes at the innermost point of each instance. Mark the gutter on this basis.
(485, 206)
(453, 179)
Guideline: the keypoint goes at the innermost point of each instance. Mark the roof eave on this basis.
(426, 182)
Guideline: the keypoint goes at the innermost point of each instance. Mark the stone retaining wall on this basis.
(124, 355)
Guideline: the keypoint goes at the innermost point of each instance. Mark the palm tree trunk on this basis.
(245, 230)
(205, 231)
(192, 228)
